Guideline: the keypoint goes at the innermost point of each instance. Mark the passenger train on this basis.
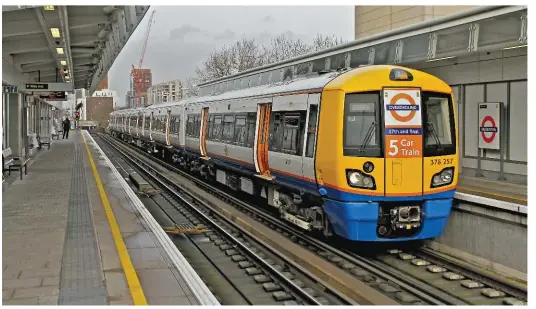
(369, 154)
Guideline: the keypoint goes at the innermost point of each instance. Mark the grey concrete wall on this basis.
(489, 237)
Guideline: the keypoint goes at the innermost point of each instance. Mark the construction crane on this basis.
(136, 72)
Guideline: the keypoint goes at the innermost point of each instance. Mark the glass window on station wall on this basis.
(265, 78)
(337, 61)
(254, 80)
(500, 31)
(319, 65)
(276, 76)
(303, 68)
(452, 40)
(287, 73)
(385, 53)
(415, 48)
(359, 57)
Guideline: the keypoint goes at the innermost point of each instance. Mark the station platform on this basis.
(493, 189)
(72, 235)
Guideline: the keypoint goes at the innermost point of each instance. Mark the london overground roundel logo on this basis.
(394, 108)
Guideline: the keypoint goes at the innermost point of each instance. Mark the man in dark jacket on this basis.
(66, 127)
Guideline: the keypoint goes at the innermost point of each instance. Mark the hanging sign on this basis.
(489, 125)
(403, 123)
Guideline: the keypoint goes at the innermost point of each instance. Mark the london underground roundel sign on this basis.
(489, 125)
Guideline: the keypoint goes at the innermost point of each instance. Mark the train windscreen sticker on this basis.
(403, 123)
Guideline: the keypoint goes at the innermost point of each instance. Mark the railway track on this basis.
(414, 277)
(239, 269)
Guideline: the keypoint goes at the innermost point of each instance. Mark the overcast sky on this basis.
(182, 36)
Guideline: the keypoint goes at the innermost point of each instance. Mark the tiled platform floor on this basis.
(57, 243)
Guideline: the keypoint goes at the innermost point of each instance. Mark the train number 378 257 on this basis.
(441, 161)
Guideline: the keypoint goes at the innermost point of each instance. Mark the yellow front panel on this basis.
(407, 173)
(434, 165)
(403, 176)
(330, 162)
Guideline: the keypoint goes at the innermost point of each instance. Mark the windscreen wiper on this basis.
(433, 132)
(368, 136)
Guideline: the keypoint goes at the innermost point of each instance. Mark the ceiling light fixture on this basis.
(63, 62)
(49, 8)
(59, 50)
(438, 59)
(55, 32)
(515, 47)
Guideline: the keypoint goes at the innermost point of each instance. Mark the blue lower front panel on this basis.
(358, 221)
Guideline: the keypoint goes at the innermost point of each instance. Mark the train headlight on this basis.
(443, 178)
(358, 179)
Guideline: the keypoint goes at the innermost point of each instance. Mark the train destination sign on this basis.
(403, 123)
(489, 117)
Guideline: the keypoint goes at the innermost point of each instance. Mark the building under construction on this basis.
(135, 98)
(170, 91)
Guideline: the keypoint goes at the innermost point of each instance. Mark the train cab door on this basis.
(138, 123)
(151, 126)
(168, 128)
(203, 134)
(403, 143)
(260, 147)
(309, 141)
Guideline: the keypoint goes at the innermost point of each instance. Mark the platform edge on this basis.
(196, 284)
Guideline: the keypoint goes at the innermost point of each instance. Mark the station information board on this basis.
(489, 125)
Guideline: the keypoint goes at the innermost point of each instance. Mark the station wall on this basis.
(499, 76)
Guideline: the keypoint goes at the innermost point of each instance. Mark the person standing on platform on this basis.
(66, 127)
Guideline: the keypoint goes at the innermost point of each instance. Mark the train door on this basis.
(403, 142)
(309, 143)
(138, 124)
(260, 148)
(203, 133)
(168, 127)
(151, 126)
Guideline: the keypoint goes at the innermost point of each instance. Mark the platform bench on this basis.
(13, 163)
(42, 142)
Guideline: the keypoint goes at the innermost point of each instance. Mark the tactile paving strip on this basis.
(81, 275)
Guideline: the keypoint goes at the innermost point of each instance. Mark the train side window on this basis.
(177, 124)
(216, 131)
(240, 130)
(311, 131)
(291, 134)
(228, 128)
(197, 125)
(210, 126)
(276, 132)
(190, 126)
(251, 122)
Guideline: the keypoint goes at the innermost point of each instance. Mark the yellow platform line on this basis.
(462, 188)
(130, 273)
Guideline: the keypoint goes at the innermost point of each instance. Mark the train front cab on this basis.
(387, 177)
